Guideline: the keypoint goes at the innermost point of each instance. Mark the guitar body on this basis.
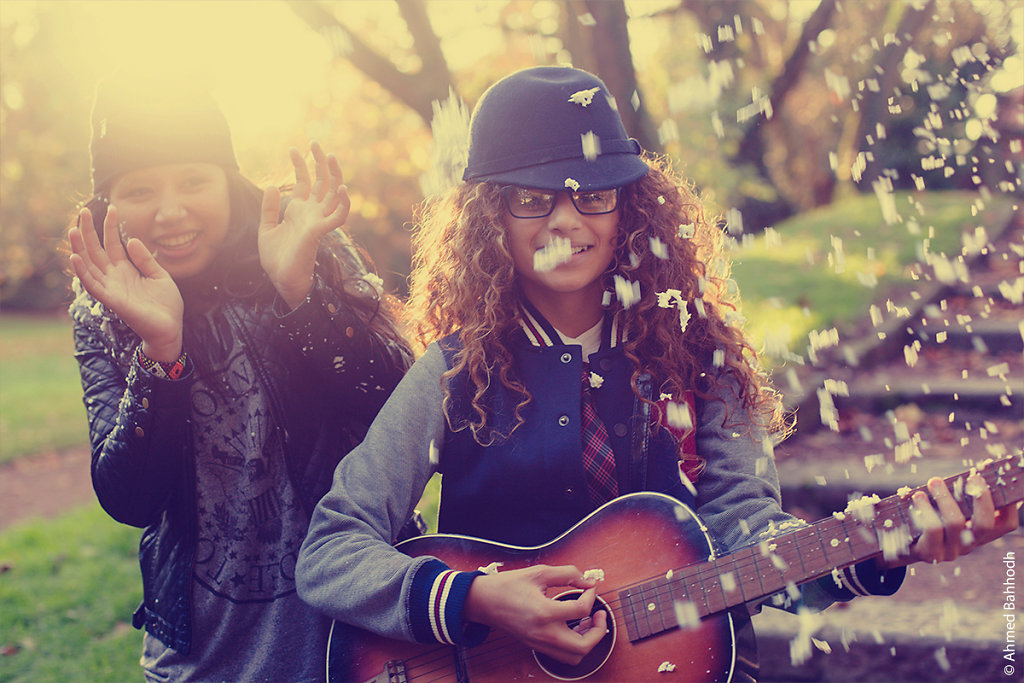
(631, 539)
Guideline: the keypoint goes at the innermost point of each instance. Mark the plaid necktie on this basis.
(598, 458)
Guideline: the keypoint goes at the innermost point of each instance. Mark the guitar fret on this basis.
(811, 553)
(715, 599)
(696, 581)
(640, 611)
(654, 606)
(737, 581)
(746, 575)
(790, 554)
(755, 571)
(837, 549)
(799, 543)
(863, 543)
(627, 601)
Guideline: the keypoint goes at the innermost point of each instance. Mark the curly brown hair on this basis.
(464, 281)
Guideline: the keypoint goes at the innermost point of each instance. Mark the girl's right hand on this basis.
(129, 281)
(516, 601)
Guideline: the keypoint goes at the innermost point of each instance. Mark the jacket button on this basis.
(331, 308)
(139, 431)
(566, 358)
(619, 429)
(605, 364)
(563, 420)
(569, 492)
(145, 402)
(349, 332)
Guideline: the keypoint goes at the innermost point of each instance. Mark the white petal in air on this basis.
(583, 97)
(557, 251)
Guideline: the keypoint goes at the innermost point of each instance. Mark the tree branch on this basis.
(751, 147)
(419, 90)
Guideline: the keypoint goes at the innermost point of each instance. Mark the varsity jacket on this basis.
(523, 490)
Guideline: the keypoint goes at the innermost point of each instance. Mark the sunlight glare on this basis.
(261, 61)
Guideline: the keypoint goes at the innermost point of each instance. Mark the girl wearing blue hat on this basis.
(230, 355)
(581, 345)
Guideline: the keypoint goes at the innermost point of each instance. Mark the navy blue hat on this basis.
(549, 128)
(150, 120)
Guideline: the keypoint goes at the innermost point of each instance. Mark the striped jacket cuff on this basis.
(437, 603)
(863, 579)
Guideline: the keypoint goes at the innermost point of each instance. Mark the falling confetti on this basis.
(591, 145)
(626, 291)
(556, 252)
(584, 97)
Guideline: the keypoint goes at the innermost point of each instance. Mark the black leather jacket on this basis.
(326, 373)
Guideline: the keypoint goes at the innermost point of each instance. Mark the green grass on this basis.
(807, 282)
(40, 394)
(68, 589)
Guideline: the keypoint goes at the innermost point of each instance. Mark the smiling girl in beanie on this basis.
(583, 345)
(230, 355)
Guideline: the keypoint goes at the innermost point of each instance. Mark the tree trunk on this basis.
(603, 48)
(752, 146)
(874, 106)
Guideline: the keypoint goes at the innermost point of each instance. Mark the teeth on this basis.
(579, 250)
(177, 240)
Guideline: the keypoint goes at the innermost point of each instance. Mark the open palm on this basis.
(129, 281)
(288, 248)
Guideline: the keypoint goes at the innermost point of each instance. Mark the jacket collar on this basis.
(540, 332)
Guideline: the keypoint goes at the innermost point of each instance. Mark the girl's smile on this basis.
(181, 212)
(561, 258)
(177, 245)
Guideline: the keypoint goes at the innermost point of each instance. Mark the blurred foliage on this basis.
(868, 100)
(44, 133)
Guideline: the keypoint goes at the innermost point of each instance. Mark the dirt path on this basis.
(44, 485)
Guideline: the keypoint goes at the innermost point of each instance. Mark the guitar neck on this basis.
(868, 527)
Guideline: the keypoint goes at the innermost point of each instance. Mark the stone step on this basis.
(873, 640)
(815, 490)
(948, 622)
(881, 390)
(982, 335)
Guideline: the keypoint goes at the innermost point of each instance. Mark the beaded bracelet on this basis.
(172, 370)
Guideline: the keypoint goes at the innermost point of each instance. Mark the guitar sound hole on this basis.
(595, 659)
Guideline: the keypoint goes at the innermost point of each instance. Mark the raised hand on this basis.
(129, 281)
(515, 601)
(288, 248)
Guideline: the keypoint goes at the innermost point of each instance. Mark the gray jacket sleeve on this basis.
(347, 567)
(738, 493)
(738, 499)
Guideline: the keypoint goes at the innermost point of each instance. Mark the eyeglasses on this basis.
(522, 202)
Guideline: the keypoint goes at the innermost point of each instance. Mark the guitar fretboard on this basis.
(868, 528)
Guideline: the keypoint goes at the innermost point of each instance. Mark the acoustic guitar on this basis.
(667, 595)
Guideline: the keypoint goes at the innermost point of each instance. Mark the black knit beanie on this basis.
(139, 122)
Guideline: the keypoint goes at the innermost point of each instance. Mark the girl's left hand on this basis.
(288, 248)
(945, 533)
